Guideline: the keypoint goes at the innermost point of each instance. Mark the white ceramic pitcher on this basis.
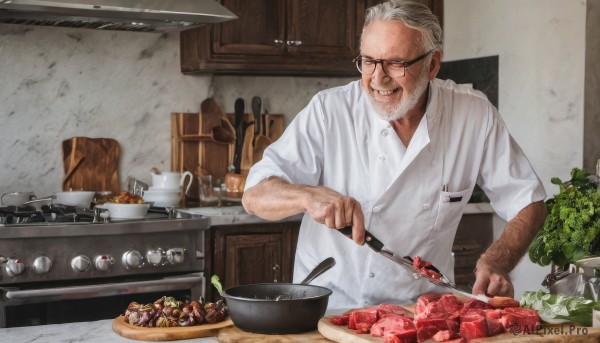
(172, 180)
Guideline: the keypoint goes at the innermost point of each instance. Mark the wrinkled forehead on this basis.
(390, 39)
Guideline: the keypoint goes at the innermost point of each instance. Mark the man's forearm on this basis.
(274, 199)
(505, 253)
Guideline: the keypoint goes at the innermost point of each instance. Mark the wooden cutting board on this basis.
(91, 164)
(167, 334)
(236, 335)
(341, 333)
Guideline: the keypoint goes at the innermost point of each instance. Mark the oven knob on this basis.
(132, 259)
(103, 262)
(175, 255)
(42, 264)
(14, 267)
(155, 256)
(80, 263)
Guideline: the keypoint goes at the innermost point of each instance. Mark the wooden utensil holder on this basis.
(193, 148)
(274, 129)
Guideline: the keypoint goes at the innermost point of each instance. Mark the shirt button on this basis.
(426, 206)
(385, 132)
(376, 209)
(371, 275)
(381, 158)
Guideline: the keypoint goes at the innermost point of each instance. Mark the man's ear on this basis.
(436, 63)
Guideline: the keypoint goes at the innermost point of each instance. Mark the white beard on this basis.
(407, 102)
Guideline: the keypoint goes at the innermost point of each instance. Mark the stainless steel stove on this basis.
(70, 265)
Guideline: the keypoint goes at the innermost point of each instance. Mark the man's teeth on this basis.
(385, 91)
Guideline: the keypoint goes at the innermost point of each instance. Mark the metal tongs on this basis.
(407, 263)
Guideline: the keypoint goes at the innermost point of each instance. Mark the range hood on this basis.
(127, 15)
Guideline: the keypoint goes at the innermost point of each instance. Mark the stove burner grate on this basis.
(48, 214)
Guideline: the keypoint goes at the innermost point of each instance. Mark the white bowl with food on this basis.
(75, 198)
(126, 211)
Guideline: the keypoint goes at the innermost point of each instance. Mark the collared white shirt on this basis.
(339, 142)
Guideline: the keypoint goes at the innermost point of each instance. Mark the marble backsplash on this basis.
(59, 83)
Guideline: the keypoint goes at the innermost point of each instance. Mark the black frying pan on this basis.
(279, 308)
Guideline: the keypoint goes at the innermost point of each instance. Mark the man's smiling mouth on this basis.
(385, 92)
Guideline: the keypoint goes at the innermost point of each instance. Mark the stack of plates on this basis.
(162, 197)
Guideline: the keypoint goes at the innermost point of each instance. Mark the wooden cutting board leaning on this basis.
(91, 164)
(167, 334)
(548, 333)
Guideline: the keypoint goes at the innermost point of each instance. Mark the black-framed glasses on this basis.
(391, 68)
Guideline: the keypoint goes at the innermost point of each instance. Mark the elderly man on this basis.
(397, 153)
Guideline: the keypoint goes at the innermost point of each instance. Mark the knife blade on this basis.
(407, 263)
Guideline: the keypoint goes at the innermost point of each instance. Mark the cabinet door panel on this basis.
(245, 254)
(322, 27)
(260, 23)
(251, 258)
(329, 32)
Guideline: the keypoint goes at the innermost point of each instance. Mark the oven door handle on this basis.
(188, 281)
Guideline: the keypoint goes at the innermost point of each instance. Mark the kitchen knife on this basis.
(407, 263)
(256, 107)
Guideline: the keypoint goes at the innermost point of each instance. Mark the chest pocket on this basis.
(451, 206)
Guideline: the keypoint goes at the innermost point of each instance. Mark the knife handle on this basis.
(371, 240)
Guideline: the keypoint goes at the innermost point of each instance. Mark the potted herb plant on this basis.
(572, 228)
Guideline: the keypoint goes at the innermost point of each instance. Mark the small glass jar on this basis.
(102, 197)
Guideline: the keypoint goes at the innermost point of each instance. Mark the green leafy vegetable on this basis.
(571, 230)
(215, 281)
(557, 306)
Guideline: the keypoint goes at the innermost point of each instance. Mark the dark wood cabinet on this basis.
(281, 37)
(474, 234)
(250, 253)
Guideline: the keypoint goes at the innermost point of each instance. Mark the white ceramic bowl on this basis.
(126, 211)
(75, 198)
(162, 197)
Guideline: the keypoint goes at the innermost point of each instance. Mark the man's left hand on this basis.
(492, 282)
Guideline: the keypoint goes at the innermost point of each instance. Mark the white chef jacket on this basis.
(339, 142)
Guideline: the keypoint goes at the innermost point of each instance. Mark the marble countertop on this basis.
(231, 215)
(228, 215)
(89, 332)
(99, 331)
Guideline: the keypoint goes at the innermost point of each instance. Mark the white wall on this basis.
(541, 49)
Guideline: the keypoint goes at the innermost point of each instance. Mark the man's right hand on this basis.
(275, 199)
(335, 211)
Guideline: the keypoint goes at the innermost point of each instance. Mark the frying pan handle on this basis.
(371, 240)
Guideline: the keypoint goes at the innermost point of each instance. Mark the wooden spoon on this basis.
(214, 119)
